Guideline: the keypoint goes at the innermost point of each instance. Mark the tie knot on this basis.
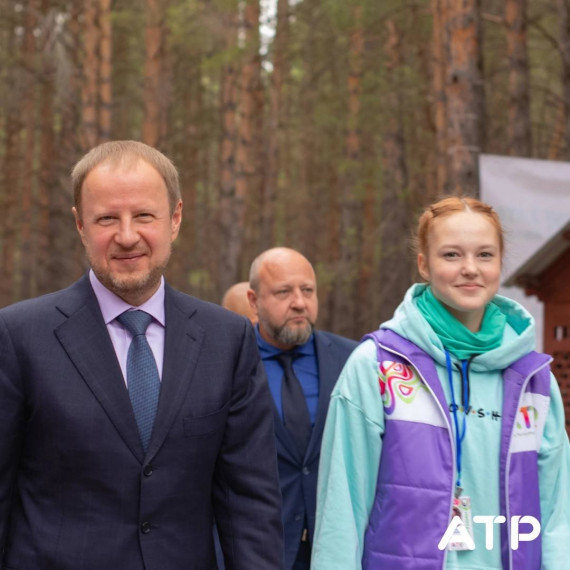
(286, 359)
(136, 322)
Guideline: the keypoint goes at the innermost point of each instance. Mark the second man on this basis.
(302, 366)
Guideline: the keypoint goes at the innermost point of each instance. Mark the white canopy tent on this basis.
(532, 197)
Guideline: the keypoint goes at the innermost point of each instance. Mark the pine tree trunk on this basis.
(47, 159)
(191, 175)
(464, 94)
(230, 212)
(10, 172)
(274, 132)
(249, 175)
(394, 225)
(58, 150)
(28, 102)
(298, 212)
(8, 204)
(351, 210)
(105, 95)
(154, 40)
(369, 272)
(519, 132)
(438, 93)
(560, 141)
(91, 67)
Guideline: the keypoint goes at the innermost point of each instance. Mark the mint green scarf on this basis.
(456, 337)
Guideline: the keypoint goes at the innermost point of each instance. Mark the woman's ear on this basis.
(423, 266)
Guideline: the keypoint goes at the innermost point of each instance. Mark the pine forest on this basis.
(322, 125)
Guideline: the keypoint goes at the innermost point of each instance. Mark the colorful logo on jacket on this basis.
(527, 417)
(397, 382)
(529, 422)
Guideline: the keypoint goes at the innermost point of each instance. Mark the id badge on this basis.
(461, 509)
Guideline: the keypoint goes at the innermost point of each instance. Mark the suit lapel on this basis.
(329, 368)
(182, 346)
(86, 341)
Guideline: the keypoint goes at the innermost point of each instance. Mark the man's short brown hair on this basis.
(126, 153)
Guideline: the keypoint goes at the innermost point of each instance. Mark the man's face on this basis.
(286, 302)
(127, 229)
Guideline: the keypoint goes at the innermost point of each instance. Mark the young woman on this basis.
(447, 412)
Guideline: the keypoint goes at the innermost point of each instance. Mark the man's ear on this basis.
(78, 223)
(176, 220)
(423, 267)
(252, 299)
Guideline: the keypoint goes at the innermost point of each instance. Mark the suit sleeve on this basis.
(246, 494)
(554, 485)
(11, 425)
(348, 468)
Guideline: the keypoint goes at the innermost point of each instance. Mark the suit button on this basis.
(145, 527)
(298, 517)
(148, 469)
(306, 471)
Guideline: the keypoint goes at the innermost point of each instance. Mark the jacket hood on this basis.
(518, 338)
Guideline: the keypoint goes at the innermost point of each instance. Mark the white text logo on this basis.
(456, 530)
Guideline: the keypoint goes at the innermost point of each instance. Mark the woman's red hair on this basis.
(451, 205)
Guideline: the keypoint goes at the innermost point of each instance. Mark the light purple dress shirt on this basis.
(112, 306)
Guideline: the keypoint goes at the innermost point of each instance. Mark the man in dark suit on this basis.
(132, 415)
(302, 366)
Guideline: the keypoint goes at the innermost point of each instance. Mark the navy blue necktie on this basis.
(296, 417)
(142, 373)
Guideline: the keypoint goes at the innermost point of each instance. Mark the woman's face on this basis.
(463, 264)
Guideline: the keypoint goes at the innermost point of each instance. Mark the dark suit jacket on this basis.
(76, 489)
(298, 475)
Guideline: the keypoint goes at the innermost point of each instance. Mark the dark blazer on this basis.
(298, 475)
(77, 490)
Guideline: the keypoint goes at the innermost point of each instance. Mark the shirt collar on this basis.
(112, 305)
(267, 350)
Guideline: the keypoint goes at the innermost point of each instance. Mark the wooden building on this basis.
(547, 275)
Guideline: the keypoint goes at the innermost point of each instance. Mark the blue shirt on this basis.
(305, 367)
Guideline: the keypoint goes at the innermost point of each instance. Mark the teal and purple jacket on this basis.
(416, 473)
(388, 458)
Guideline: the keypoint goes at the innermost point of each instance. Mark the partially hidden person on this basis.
(235, 299)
